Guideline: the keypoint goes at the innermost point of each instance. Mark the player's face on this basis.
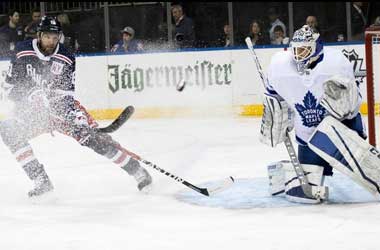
(48, 42)
(301, 53)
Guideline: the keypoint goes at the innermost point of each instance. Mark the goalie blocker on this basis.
(347, 152)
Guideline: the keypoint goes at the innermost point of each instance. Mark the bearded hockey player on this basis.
(313, 89)
(41, 84)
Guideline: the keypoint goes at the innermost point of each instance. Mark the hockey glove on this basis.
(341, 97)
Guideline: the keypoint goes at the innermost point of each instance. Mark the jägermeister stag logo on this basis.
(201, 74)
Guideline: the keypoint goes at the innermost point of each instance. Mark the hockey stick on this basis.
(205, 191)
(306, 187)
(119, 121)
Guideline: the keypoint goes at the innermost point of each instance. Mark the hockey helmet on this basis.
(49, 24)
(306, 46)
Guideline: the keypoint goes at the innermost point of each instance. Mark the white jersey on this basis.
(303, 92)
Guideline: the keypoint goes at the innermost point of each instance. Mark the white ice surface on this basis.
(97, 206)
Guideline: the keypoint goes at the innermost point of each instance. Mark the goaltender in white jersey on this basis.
(304, 91)
(313, 90)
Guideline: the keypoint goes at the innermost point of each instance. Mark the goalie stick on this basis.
(306, 187)
(205, 191)
(119, 121)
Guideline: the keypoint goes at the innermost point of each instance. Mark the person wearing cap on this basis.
(127, 44)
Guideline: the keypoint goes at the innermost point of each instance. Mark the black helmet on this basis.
(49, 24)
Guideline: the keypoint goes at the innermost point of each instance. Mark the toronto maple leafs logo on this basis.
(357, 63)
(310, 112)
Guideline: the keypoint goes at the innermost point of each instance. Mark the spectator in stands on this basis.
(358, 21)
(68, 34)
(184, 35)
(257, 34)
(11, 33)
(273, 16)
(279, 36)
(127, 44)
(225, 38)
(31, 29)
(312, 22)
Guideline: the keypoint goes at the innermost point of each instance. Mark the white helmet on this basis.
(306, 47)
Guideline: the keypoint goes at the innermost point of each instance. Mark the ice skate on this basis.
(143, 179)
(42, 186)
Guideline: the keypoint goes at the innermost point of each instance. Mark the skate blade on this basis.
(46, 198)
(147, 189)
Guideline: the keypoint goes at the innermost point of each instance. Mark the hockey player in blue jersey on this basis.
(312, 89)
(41, 84)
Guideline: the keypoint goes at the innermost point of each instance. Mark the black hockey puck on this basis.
(181, 85)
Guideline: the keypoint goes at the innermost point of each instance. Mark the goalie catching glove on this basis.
(341, 97)
(278, 118)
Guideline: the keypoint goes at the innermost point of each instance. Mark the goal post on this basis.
(372, 55)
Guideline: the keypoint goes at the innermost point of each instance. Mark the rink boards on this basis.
(217, 82)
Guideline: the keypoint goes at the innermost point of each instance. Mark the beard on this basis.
(47, 50)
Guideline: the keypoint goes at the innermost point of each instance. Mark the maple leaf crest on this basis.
(310, 112)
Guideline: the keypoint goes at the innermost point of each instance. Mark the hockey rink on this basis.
(96, 206)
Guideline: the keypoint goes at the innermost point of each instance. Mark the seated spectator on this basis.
(184, 35)
(11, 33)
(31, 29)
(312, 22)
(273, 16)
(68, 34)
(225, 38)
(128, 44)
(258, 37)
(279, 36)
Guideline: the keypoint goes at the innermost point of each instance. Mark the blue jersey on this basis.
(31, 70)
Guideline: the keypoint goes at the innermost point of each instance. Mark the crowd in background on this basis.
(85, 35)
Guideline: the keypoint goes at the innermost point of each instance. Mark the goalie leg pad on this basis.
(276, 176)
(293, 189)
(347, 152)
(283, 178)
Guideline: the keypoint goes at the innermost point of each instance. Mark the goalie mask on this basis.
(306, 47)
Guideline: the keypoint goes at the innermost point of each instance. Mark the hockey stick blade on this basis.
(205, 191)
(119, 121)
(226, 183)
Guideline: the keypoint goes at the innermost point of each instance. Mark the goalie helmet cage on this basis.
(372, 57)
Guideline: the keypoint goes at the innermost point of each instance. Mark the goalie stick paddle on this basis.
(119, 121)
(306, 187)
(205, 191)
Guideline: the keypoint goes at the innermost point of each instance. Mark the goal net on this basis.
(372, 55)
